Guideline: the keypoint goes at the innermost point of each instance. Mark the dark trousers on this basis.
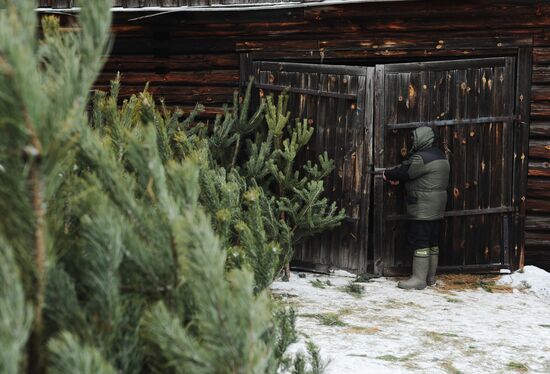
(423, 234)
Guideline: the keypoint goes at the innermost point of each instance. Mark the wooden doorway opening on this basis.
(470, 105)
(362, 117)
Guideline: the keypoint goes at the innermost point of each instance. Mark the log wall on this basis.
(537, 235)
(190, 57)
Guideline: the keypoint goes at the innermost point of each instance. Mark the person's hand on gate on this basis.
(392, 182)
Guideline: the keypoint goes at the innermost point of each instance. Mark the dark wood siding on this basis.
(537, 227)
(174, 50)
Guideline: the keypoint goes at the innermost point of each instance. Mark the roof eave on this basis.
(224, 7)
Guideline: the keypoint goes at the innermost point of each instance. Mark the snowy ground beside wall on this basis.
(388, 330)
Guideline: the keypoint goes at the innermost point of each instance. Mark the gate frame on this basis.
(380, 128)
(520, 48)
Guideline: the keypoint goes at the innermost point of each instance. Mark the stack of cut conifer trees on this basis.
(134, 239)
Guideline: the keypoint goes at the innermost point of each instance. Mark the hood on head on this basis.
(423, 137)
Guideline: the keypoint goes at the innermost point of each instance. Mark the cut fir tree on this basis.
(109, 263)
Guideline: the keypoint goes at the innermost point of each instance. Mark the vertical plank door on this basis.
(337, 101)
(470, 105)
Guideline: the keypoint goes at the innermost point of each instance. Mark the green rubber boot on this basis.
(434, 256)
(421, 263)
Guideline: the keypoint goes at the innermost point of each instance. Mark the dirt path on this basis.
(388, 330)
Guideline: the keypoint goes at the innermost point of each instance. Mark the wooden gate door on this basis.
(470, 104)
(337, 100)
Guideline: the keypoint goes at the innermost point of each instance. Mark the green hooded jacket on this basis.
(426, 177)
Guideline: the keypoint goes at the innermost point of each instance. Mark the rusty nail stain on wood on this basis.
(412, 91)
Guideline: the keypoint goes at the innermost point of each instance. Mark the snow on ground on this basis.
(436, 330)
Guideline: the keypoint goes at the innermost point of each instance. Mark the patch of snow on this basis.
(532, 279)
(389, 330)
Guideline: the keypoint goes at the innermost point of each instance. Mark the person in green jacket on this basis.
(426, 177)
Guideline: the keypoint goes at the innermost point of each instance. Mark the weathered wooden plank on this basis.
(429, 10)
(415, 41)
(538, 188)
(537, 240)
(162, 46)
(539, 169)
(178, 94)
(539, 149)
(541, 74)
(540, 110)
(523, 98)
(385, 42)
(537, 206)
(379, 125)
(537, 223)
(541, 38)
(541, 56)
(126, 63)
(212, 78)
(375, 55)
(539, 129)
(540, 93)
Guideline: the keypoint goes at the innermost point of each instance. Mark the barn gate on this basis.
(362, 117)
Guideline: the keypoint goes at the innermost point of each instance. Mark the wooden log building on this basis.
(365, 73)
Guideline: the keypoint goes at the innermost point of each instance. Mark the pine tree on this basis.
(103, 232)
(289, 207)
(40, 118)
